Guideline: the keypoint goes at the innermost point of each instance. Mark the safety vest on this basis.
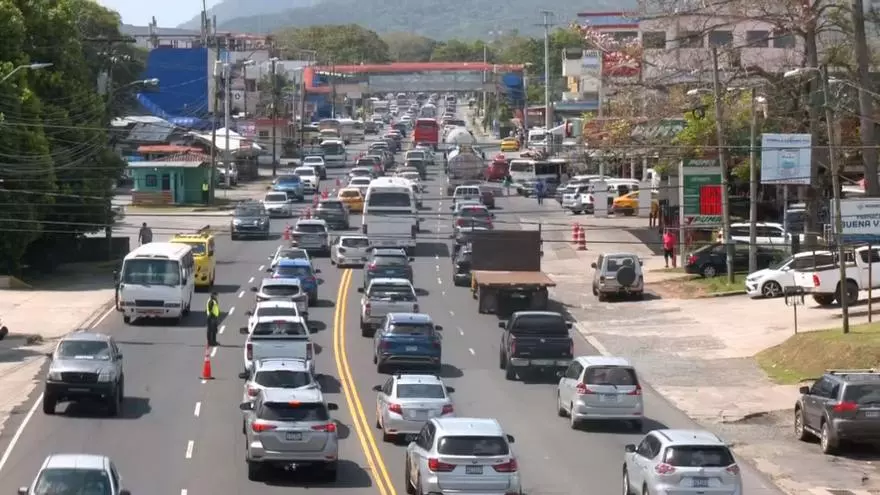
(213, 309)
(204, 187)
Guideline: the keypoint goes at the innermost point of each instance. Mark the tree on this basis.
(459, 51)
(348, 44)
(406, 47)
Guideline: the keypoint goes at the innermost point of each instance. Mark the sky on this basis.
(168, 13)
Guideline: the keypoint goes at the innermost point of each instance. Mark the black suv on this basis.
(461, 268)
(334, 212)
(250, 220)
(842, 405)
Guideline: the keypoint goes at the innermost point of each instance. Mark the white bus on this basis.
(522, 170)
(157, 281)
(335, 155)
(391, 215)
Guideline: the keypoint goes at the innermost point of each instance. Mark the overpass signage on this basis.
(428, 81)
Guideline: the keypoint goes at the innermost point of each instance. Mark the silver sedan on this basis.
(406, 402)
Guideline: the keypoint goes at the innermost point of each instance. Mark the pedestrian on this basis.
(145, 235)
(669, 247)
(654, 215)
(539, 191)
(213, 312)
(206, 192)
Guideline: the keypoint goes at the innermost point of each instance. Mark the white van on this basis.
(156, 281)
(391, 215)
(335, 155)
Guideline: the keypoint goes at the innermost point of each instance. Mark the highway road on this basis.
(181, 435)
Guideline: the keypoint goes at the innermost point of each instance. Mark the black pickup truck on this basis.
(535, 341)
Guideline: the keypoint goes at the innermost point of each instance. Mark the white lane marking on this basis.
(221, 329)
(471, 351)
(198, 409)
(251, 280)
(104, 316)
(204, 382)
(261, 268)
(439, 280)
(436, 256)
(442, 292)
(241, 294)
(183, 491)
(189, 449)
(18, 432)
(213, 351)
(460, 331)
(231, 310)
(437, 267)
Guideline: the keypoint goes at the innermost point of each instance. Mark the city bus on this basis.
(157, 280)
(334, 151)
(202, 244)
(522, 170)
(427, 131)
(391, 216)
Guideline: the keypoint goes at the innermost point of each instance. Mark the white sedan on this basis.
(361, 184)
(287, 253)
(772, 281)
(263, 309)
(277, 204)
(309, 178)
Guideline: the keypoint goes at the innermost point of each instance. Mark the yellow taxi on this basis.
(628, 204)
(202, 244)
(509, 144)
(352, 198)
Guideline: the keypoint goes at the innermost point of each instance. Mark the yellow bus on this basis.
(202, 244)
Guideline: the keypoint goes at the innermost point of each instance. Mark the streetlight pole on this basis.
(725, 199)
(34, 66)
(274, 61)
(525, 119)
(244, 65)
(227, 122)
(547, 120)
(753, 181)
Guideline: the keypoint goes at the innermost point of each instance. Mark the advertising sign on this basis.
(700, 193)
(785, 158)
(861, 220)
(591, 60)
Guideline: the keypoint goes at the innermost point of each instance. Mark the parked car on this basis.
(618, 274)
(774, 280)
(711, 260)
(824, 282)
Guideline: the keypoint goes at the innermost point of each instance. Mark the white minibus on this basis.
(391, 215)
(157, 281)
(335, 155)
(522, 170)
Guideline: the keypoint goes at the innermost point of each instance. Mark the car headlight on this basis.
(236, 222)
(105, 376)
(54, 376)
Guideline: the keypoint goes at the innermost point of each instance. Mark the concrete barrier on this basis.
(10, 282)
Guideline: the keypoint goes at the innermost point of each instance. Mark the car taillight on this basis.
(259, 427)
(249, 351)
(367, 309)
(571, 348)
(846, 407)
(395, 408)
(513, 345)
(384, 344)
(816, 280)
(309, 351)
(436, 466)
(460, 222)
(692, 259)
(506, 467)
(252, 392)
(582, 389)
(329, 427)
(372, 267)
(447, 409)
(436, 344)
(637, 391)
(664, 469)
(732, 469)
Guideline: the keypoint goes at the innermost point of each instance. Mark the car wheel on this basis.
(113, 403)
(509, 371)
(560, 411)
(573, 422)
(800, 432)
(126, 320)
(407, 482)
(827, 441)
(771, 289)
(255, 471)
(708, 271)
(49, 404)
(501, 360)
(626, 488)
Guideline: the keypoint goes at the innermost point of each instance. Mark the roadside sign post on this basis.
(794, 297)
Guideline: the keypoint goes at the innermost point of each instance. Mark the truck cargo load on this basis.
(463, 166)
(459, 136)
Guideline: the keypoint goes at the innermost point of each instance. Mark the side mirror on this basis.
(246, 406)
(593, 266)
(360, 290)
(22, 490)
(450, 390)
(438, 327)
(269, 269)
(510, 439)
(249, 313)
(492, 215)
(244, 375)
(270, 258)
(804, 390)
(119, 356)
(629, 447)
(641, 263)
(377, 388)
(332, 406)
(502, 325)
(317, 270)
(254, 289)
(243, 330)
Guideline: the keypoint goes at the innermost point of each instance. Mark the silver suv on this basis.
(81, 473)
(680, 461)
(312, 235)
(618, 274)
(85, 366)
(841, 405)
(281, 373)
(290, 429)
(461, 455)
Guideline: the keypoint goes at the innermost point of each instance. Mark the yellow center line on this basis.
(378, 471)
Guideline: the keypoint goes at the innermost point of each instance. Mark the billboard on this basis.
(429, 81)
(786, 158)
(861, 220)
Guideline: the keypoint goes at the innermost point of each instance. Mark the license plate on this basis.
(607, 398)
(872, 414)
(700, 482)
(294, 436)
(419, 415)
(543, 362)
(149, 311)
(77, 390)
(473, 469)
(411, 348)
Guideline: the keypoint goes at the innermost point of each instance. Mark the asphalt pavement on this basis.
(180, 434)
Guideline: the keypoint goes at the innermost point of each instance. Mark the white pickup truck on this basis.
(823, 282)
(278, 337)
(383, 296)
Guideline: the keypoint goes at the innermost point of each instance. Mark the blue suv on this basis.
(299, 269)
(292, 185)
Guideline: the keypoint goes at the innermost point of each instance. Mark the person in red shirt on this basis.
(668, 247)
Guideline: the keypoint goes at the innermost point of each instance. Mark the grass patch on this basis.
(668, 270)
(807, 355)
(692, 287)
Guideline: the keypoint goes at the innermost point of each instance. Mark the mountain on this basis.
(463, 19)
(230, 9)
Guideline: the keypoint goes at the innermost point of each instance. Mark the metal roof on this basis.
(151, 132)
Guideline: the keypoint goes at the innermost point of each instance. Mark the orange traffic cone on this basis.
(206, 366)
(582, 241)
(315, 200)
(287, 233)
(575, 228)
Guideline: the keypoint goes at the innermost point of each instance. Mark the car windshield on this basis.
(143, 271)
(472, 446)
(64, 481)
(276, 198)
(420, 391)
(360, 181)
(355, 242)
(331, 206)
(198, 248)
(425, 329)
(292, 271)
(618, 376)
(281, 290)
(283, 379)
(389, 261)
(304, 172)
(350, 194)
(290, 180)
(473, 213)
(360, 172)
(280, 327)
(293, 254)
(698, 456)
(270, 311)
(613, 264)
(293, 411)
(862, 393)
(313, 160)
(84, 349)
(540, 324)
(311, 228)
(401, 292)
(248, 212)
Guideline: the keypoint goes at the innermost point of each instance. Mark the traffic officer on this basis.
(206, 192)
(213, 312)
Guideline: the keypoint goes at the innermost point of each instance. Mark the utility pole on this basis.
(227, 121)
(525, 119)
(485, 78)
(753, 183)
(274, 117)
(866, 103)
(332, 89)
(548, 121)
(244, 67)
(216, 74)
(725, 196)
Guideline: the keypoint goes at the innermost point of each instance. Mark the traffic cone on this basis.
(206, 366)
(582, 241)
(575, 228)
(338, 182)
(315, 200)
(287, 233)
